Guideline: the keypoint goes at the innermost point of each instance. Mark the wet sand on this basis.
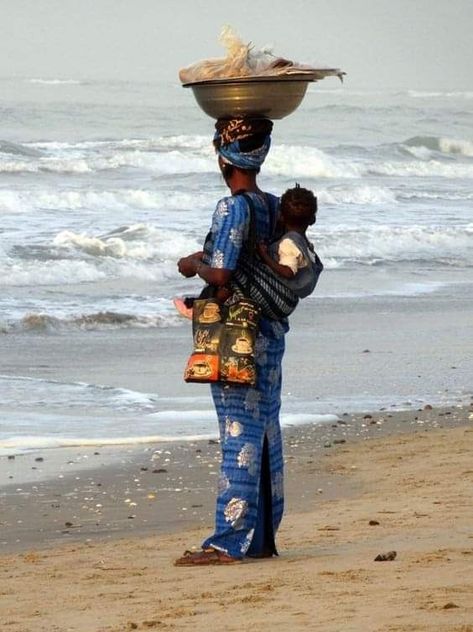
(106, 571)
(52, 496)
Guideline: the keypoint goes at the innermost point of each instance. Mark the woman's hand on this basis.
(190, 265)
(187, 266)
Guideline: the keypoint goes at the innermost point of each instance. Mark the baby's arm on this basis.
(283, 270)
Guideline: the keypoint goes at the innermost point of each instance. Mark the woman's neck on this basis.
(243, 181)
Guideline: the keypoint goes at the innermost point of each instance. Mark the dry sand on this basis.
(417, 486)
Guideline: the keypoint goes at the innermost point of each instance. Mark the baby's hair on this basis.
(299, 205)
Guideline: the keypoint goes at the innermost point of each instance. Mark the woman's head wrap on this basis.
(243, 143)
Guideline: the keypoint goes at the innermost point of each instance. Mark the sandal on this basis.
(206, 557)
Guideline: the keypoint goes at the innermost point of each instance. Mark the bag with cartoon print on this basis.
(224, 342)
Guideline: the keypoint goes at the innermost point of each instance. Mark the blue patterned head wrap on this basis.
(243, 143)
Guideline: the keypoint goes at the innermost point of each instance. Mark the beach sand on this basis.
(409, 472)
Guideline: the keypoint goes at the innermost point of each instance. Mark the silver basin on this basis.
(269, 97)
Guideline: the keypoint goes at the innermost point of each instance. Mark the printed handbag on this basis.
(224, 342)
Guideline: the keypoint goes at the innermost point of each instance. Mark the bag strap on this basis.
(250, 242)
(251, 238)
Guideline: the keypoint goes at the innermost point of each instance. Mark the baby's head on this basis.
(298, 207)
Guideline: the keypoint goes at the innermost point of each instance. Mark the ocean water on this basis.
(104, 185)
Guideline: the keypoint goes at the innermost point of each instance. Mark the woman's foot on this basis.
(206, 557)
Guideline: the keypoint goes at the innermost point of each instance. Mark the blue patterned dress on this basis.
(250, 492)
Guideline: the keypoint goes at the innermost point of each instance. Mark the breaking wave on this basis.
(55, 82)
(458, 196)
(138, 241)
(143, 253)
(191, 425)
(185, 155)
(357, 195)
(65, 272)
(385, 244)
(160, 143)
(12, 201)
(50, 272)
(163, 155)
(17, 149)
(118, 199)
(33, 391)
(162, 163)
(443, 145)
(421, 168)
(88, 322)
(426, 94)
(308, 162)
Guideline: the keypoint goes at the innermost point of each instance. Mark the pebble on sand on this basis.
(386, 557)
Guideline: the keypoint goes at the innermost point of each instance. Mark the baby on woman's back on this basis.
(292, 257)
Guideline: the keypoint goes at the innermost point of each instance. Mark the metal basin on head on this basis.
(268, 97)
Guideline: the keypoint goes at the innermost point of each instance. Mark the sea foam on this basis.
(294, 161)
(203, 422)
(170, 162)
(139, 241)
(54, 82)
(41, 322)
(378, 244)
(431, 94)
(441, 144)
(13, 201)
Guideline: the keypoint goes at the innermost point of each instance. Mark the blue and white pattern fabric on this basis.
(248, 416)
(231, 141)
(253, 159)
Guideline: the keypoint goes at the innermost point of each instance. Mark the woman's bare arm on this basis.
(192, 265)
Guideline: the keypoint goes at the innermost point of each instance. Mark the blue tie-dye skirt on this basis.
(250, 497)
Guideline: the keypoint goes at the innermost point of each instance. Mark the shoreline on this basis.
(403, 484)
(97, 494)
(343, 355)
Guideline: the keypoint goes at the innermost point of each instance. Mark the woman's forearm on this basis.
(213, 276)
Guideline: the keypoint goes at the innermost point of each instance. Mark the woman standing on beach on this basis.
(250, 493)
